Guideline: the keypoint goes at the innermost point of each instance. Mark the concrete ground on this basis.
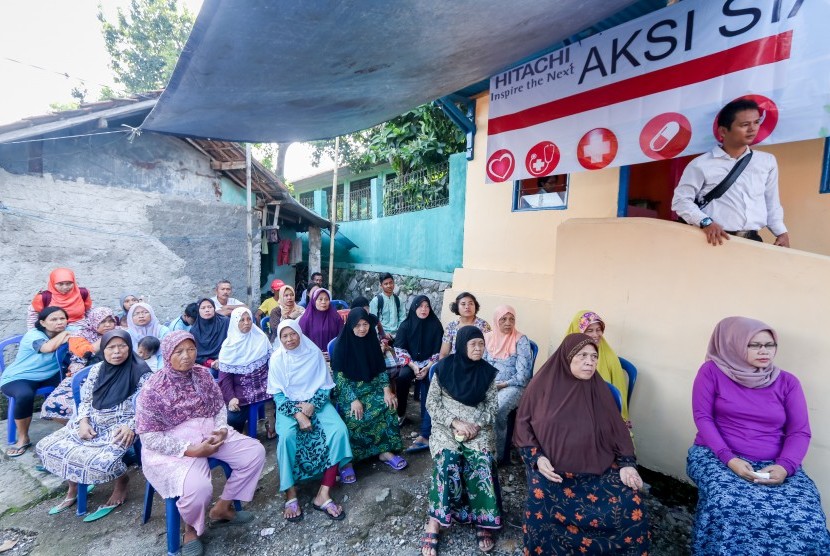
(385, 514)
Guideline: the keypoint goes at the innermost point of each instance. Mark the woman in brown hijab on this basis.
(582, 481)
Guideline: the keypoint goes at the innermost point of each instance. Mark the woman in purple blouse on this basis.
(753, 434)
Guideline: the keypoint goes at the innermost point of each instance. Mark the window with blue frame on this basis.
(544, 193)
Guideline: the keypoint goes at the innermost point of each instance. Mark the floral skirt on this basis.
(735, 516)
(584, 514)
(60, 404)
(465, 488)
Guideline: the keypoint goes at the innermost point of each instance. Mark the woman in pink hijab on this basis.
(508, 350)
(753, 434)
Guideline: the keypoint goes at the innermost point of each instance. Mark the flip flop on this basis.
(101, 512)
(193, 548)
(65, 505)
(241, 518)
(325, 509)
(17, 451)
(483, 535)
(294, 506)
(347, 476)
(417, 447)
(396, 462)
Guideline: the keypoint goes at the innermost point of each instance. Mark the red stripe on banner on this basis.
(752, 54)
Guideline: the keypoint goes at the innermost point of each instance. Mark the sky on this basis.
(63, 39)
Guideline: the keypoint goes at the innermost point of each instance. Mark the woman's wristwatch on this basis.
(706, 222)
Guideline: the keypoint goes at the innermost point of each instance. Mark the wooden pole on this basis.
(333, 212)
(250, 230)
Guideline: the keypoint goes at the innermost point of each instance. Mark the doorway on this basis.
(646, 189)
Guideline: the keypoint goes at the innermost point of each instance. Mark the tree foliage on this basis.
(145, 43)
(418, 139)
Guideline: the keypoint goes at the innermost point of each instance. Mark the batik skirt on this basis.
(584, 514)
(735, 516)
(465, 488)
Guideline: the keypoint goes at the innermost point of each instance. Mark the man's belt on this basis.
(747, 234)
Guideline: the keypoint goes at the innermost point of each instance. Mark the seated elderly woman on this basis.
(142, 322)
(463, 402)
(84, 348)
(753, 434)
(508, 350)
(363, 397)
(209, 331)
(466, 306)
(91, 448)
(286, 308)
(320, 322)
(608, 367)
(313, 440)
(35, 366)
(182, 421)
(243, 369)
(581, 475)
(62, 291)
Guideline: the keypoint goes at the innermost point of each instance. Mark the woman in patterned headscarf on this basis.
(608, 366)
(182, 421)
(84, 347)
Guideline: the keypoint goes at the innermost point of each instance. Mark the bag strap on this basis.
(380, 304)
(727, 182)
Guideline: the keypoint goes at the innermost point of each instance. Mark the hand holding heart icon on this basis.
(500, 166)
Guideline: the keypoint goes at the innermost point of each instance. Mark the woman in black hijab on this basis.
(209, 330)
(463, 402)
(419, 340)
(362, 395)
(90, 449)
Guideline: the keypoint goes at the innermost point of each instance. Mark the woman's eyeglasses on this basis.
(755, 346)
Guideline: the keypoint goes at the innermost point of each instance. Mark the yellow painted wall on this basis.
(649, 279)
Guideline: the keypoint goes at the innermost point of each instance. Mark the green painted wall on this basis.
(426, 243)
(235, 195)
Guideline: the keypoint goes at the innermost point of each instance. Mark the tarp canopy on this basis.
(280, 70)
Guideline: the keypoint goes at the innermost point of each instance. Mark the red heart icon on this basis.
(500, 165)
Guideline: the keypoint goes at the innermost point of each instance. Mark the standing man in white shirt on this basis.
(225, 304)
(751, 202)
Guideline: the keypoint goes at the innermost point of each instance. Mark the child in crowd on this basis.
(148, 349)
(186, 319)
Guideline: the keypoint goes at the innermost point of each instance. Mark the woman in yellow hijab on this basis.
(608, 367)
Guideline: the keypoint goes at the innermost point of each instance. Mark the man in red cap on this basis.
(269, 304)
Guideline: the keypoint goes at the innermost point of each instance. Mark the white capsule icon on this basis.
(663, 137)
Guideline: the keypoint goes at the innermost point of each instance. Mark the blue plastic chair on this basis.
(256, 411)
(265, 324)
(172, 516)
(330, 346)
(631, 371)
(11, 426)
(78, 380)
(339, 304)
(511, 417)
(617, 396)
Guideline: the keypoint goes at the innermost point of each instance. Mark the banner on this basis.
(651, 89)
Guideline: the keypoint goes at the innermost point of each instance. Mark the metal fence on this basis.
(360, 203)
(419, 190)
(307, 201)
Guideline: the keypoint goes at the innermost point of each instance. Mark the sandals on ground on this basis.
(347, 476)
(17, 451)
(396, 462)
(67, 503)
(483, 535)
(429, 541)
(326, 506)
(294, 506)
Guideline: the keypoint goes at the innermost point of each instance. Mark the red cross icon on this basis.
(597, 148)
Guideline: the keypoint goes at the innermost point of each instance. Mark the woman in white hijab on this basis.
(313, 440)
(243, 369)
